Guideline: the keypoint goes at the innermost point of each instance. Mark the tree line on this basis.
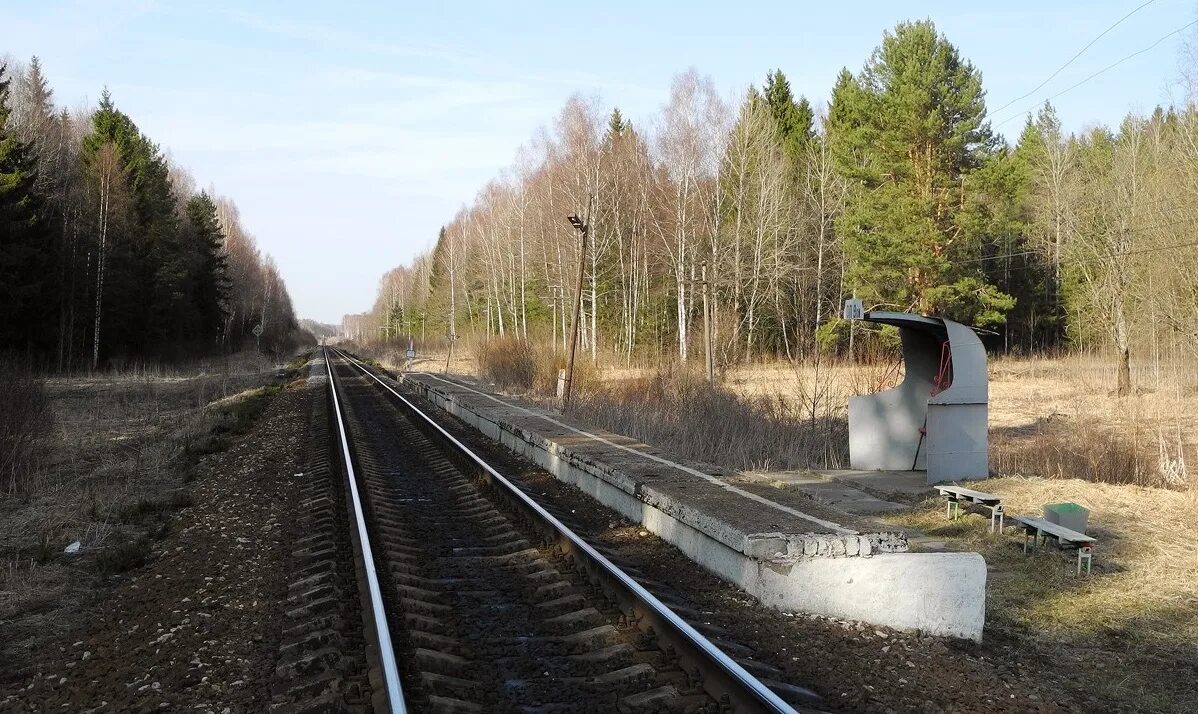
(108, 252)
(901, 194)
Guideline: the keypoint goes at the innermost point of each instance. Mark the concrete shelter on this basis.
(936, 419)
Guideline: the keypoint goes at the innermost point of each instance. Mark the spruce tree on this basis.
(25, 242)
(211, 281)
(617, 125)
(795, 118)
(37, 115)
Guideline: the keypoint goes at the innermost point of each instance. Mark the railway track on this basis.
(478, 599)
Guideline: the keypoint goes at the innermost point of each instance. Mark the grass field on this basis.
(113, 465)
(1131, 627)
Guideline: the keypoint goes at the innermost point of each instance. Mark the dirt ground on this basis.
(186, 623)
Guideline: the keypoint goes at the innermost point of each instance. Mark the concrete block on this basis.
(935, 593)
(766, 546)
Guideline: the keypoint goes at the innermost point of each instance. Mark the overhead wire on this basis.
(1105, 256)
(1099, 72)
(1073, 58)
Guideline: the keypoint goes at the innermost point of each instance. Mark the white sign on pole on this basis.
(853, 309)
(410, 354)
(257, 330)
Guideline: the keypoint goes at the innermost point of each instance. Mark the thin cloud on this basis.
(327, 34)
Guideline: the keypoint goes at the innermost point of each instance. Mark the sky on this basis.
(348, 133)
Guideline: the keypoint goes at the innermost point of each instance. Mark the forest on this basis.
(898, 190)
(109, 255)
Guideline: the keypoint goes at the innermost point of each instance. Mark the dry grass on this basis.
(757, 416)
(1134, 622)
(1056, 418)
(1059, 418)
(680, 411)
(1088, 448)
(25, 423)
(116, 466)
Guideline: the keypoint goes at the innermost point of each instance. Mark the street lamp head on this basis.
(576, 222)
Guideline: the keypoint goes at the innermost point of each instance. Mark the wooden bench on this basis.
(1039, 529)
(989, 501)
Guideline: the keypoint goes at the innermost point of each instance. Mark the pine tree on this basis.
(25, 241)
(908, 132)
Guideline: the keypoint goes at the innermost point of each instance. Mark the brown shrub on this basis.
(1082, 448)
(522, 366)
(25, 421)
(550, 363)
(680, 411)
(509, 362)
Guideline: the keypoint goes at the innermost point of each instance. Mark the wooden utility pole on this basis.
(584, 229)
(710, 358)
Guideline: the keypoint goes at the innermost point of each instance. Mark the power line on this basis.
(1074, 57)
(1101, 71)
(1120, 254)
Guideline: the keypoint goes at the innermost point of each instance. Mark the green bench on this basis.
(957, 495)
(1039, 530)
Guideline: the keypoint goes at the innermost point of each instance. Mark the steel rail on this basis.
(394, 689)
(743, 689)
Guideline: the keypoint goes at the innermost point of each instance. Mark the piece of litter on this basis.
(73, 547)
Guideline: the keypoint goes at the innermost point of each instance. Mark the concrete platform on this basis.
(900, 486)
(823, 488)
(788, 550)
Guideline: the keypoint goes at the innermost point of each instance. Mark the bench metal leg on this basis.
(996, 519)
(1085, 553)
(953, 510)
